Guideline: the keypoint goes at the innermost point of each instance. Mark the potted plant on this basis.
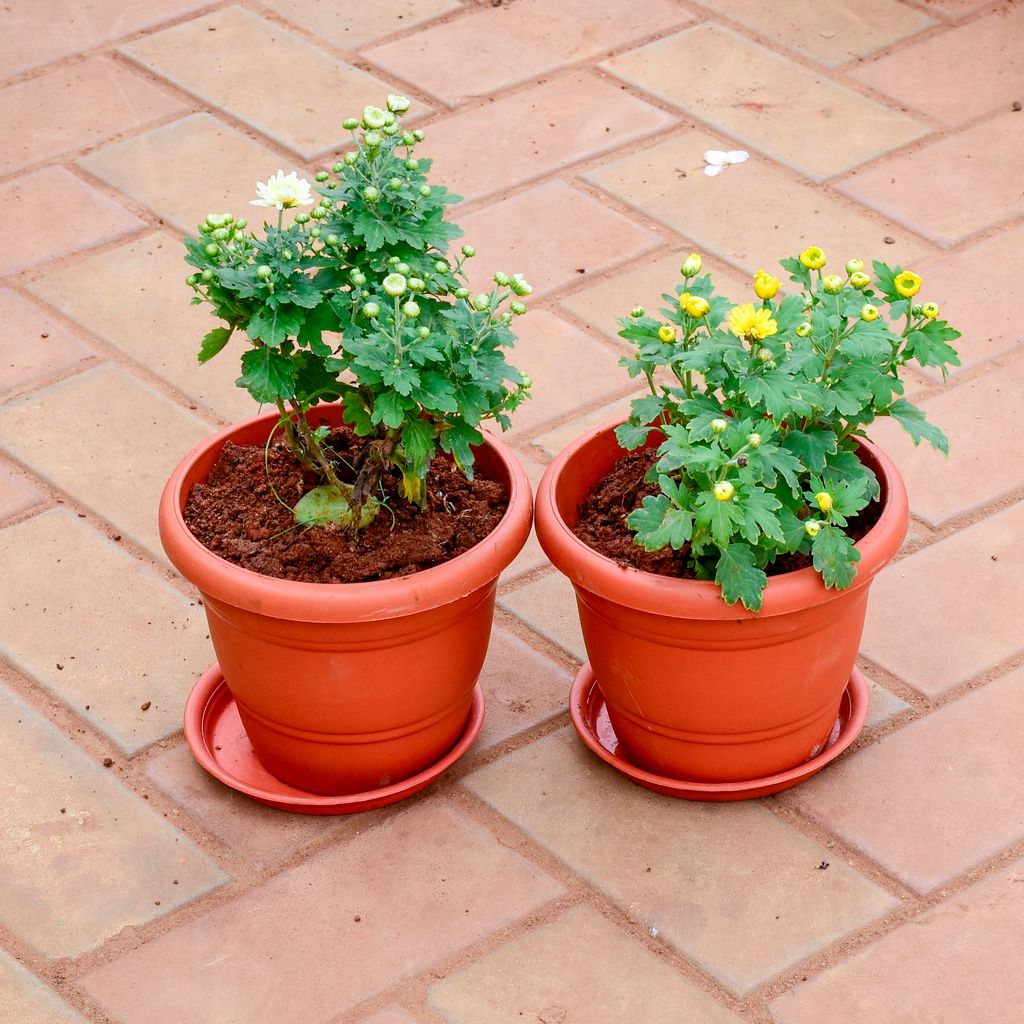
(347, 544)
(723, 539)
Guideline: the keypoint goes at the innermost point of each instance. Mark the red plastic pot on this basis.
(696, 688)
(346, 688)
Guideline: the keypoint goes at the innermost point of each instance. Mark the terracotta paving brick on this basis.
(542, 129)
(989, 266)
(63, 640)
(349, 26)
(16, 493)
(717, 871)
(531, 557)
(187, 168)
(33, 346)
(77, 217)
(772, 103)
(552, 233)
(976, 472)
(26, 1000)
(259, 834)
(927, 189)
(143, 310)
(968, 586)
(107, 843)
(548, 605)
(929, 75)
(884, 704)
(829, 31)
(392, 1015)
(580, 967)
(954, 780)
(303, 95)
(38, 33)
(955, 962)
(75, 107)
(553, 441)
(728, 215)
(115, 414)
(523, 688)
(600, 307)
(496, 47)
(421, 885)
(956, 8)
(568, 367)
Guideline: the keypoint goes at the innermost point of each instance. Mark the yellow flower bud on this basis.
(691, 265)
(693, 305)
(812, 257)
(765, 286)
(868, 313)
(859, 281)
(812, 529)
(724, 490)
(907, 283)
(823, 500)
(832, 283)
(667, 333)
(803, 330)
(930, 310)
(854, 267)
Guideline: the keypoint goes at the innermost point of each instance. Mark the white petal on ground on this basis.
(712, 169)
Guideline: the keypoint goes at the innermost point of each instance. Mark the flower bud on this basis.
(263, 272)
(868, 313)
(907, 283)
(636, 312)
(813, 258)
(398, 104)
(314, 232)
(520, 285)
(930, 310)
(501, 278)
(372, 140)
(765, 286)
(482, 301)
(417, 284)
(425, 191)
(221, 234)
(506, 317)
(411, 310)
(332, 240)
(350, 158)
(742, 461)
(241, 225)
(204, 228)
(468, 251)
(322, 176)
(441, 267)
(212, 249)
(804, 330)
(371, 310)
(192, 280)
(724, 490)
(691, 265)
(527, 381)
(412, 164)
(462, 293)
(215, 220)
(402, 268)
(374, 117)
(302, 218)
(408, 139)
(859, 281)
(915, 308)
(518, 308)
(371, 194)
(393, 261)
(764, 355)
(395, 184)
(350, 124)
(423, 332)
(719, 426)
(207, 276)
(854, 267)
(666, 333)
(418, 135)
(812, 528)
(832, 283)
(339, 166)
(357, 277)
(754, 440)
(823, 500)
(394, 285)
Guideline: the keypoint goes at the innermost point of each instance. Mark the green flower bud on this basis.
(868, 312)
(482, 301)
(212, 249)
(764, 355)
(812, 528)
(371, 194)
(402, 268)
(506, 317)
(412, 164)
(462, 293)
(500, 278)
(854, 267)
(398, 104)
(441, 267)
(372, 140)
(425, 191)
(241, 225)
(691, 265)
(915, 308)
(859, 281)
(350, 124)
(518, 308)
(423, 332)
(417, 284)
(719, 426)
(418, 134)
(192, 280)
(332, 240)
(396, 184)
(314, 232)
(221, 234)
(371, 310)
(318, 212)
(322, 176)
(207, 276)
(263, 272)
(204, 228)
(339, 166)
(302, 218)
(754, 440)
(832, 283)
(527, 381)
(408, 139)
(349, 159)
(804, 330)
(636, 312)
(357, 277)
(411, 310)
(394, 285)
(374, 117)
(468, 251)
(390, 129)
(215, 220)
(393, 261)
(520, 285)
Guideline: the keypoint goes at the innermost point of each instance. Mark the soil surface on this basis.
(602, 522)
(236, 516)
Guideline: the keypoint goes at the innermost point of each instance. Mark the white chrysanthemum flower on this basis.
(398, 104)
(283, 191)
(718, 159)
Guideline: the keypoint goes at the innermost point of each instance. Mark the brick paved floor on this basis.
(531, 884)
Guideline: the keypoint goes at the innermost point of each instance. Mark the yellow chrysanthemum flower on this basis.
(813, 258)
(667, 333)
(693, 305)
(907, 283)
(750, 323)
(765, 285)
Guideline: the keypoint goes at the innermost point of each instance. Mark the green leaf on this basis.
(719, 517)
(458, 438)
(789, 313)
(435, 392)
(929, 344)
(770, 460)
(267, 375)
(757, 510)
(418, 441)
(213, 343)
(647, 408)
(913, 420)
(811, 447)
(658, 523)
(330, 504)
(274, 326)
(632, 435)
(390, 409)
(835, 557)
(775, 391)
(321, 318)
(740, 578)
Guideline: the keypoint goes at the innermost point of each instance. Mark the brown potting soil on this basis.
(602, 522)
(236, 515)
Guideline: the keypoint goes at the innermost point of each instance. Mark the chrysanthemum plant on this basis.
(358, 299)
(761, 406)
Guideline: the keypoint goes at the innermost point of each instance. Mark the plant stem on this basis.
(314, 448)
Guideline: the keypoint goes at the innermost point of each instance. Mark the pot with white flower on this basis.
(347, 544)
(723, 539)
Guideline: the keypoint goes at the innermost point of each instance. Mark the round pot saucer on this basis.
(217, 739)
(590, 717)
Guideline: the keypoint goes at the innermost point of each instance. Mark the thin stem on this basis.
(313, 445)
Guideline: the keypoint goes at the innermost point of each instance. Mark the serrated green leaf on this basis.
(811, 447)
(275, 326)
(213, 343)
(418, 442)
(913, 420)
(435, 393)
(658, 523)
(740, 578)
(632, 435)
(390, 409)
(758, 511)
(720, 518)
(458, 438)
(267, 375)
(835, 557)
(929, 344)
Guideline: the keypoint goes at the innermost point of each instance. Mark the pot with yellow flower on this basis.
(722, 541)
